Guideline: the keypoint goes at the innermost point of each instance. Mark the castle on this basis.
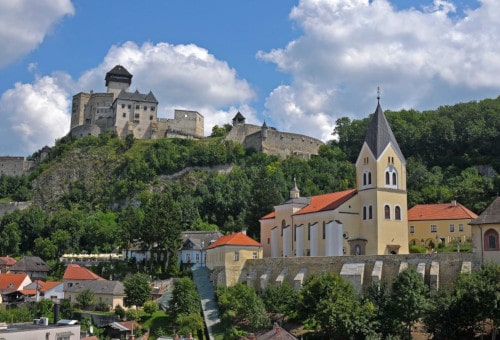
(125, 113)
(271, 141)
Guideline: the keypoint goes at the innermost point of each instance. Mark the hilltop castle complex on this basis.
(125, 113)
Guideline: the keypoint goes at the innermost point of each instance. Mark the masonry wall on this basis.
(15, 166)
(450, 267)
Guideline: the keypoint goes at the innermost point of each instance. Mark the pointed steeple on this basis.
(379, 134)
(294, 192)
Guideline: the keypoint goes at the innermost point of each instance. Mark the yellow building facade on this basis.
(486, 234)
(432, 224)
(368, 220)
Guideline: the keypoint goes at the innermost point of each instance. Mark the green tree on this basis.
(408, 299)
(329, 304)
(150, 307)
(137, 290)
(281, 299)
(85, 298)
(10, 238)
(189, 323)
(44, 308)
(185, 297)
(45, 248)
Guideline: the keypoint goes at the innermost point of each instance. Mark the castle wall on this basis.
(15, 166)
(240, 131)
(81, 131)
(287, 269)
(185, 124)
(8, 207)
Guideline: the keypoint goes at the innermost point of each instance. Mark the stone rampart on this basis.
(440, 270)
(15, 166)
(81, 131)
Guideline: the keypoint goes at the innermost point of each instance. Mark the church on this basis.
(367, 220)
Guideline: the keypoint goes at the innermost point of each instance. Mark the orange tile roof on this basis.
(236, 239)
(272, 214)
(328, 201)
(441, 211)
(8, 261)
(12, 282)
(43, 286)
(75, 272)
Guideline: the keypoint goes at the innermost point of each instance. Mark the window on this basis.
(364, 179)
(136, 116)
(308, 231)
(391, 174)
(268, 240)
(397, 213)
(434, 228)
(254, 255)
(236, 256)
(152, 108)
(387, 178)
(151, 117)
(369, 178)
(460, 227)
(137, 107)
(370, 212)
(394, 179)
(412, 229)
(387, 212)
(123, 106)
(124, 115)
(324, 231)
(129, 106)
(145, 108)
(364, 213)
(491, 240)
(452, 228)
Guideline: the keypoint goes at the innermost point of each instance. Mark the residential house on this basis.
(77, 279)
(11, 286)
(431, 224)
(226, 257)
(6, 263)
(41, 290)
(370, 219)
(276, 333)
(485, 234)
(34, 266)
(122, 330)
(193, 252)
(37, 331)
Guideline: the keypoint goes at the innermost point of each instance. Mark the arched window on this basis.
(369, 178)
(387, 212)
(387, 178)
(397, 213)
(364, 178)
(394, 179)
(370, 212)
(364, 213)
(491, 240)
(391, 177)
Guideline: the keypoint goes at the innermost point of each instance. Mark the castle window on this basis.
(387, 212)
(151, 117)
(452, 228)
(397, 213)
(129, 106)
(387, 178)
(136, 115)
(460, 227)
(137, 107)
(145, 108)
(412, 229)
(152, 108)
(364, 179)
(364, 213)
(491, 240)
(369, 177)
(124, 115)
(394, 179)
(370, 212)
(268, 240)
(123, 106)
(434, 228)
(391, 173)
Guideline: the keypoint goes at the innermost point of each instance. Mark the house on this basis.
(6, 263)
(34, 266)
(11, 286)
(431, 224)
(36, 331)
(277, 333)
(41, 290)
(370, 219)
(77, 279)
(193, 252)
(485, 234)
(105, 291)
(122, 330)
(226, 257)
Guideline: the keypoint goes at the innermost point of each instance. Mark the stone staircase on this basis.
(201, 277)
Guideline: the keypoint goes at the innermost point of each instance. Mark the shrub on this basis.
(150, 307)
(120, 312)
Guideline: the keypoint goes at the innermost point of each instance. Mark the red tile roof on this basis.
(328, 201)
(237, 239)
(272, 214)
(75, 272)
(43, 287)
(7, 261)
(441, 211)
(12, 282)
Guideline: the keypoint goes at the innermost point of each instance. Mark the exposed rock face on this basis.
(86, 170)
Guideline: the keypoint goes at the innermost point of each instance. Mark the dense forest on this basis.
(102, 194)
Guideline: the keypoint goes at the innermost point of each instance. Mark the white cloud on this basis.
(422, 58)
(33, 115)
(180, 76)
(25, 23)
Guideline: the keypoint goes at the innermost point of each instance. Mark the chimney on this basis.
(56, 311)
(454, 203)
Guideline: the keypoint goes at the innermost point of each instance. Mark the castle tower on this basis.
(381, 185)
(118, 79)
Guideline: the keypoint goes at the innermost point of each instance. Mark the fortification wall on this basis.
(81, 131)
(259, 273)
(240, 131)
(15, 166)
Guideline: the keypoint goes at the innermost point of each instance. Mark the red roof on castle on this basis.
(328, 201)
(76, 272)
(236, 239)
(441, 211)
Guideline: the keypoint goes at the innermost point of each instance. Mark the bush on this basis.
(150, 307)
(120, 312)
(417, 249)
(102, 307)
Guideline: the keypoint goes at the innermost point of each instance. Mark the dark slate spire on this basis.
(118, 74)
(379, 134)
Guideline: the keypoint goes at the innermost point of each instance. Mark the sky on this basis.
(297, 65)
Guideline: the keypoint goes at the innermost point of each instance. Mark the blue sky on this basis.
(297, 65)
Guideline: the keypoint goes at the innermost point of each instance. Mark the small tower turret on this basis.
(118, 79)
(294, 192)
